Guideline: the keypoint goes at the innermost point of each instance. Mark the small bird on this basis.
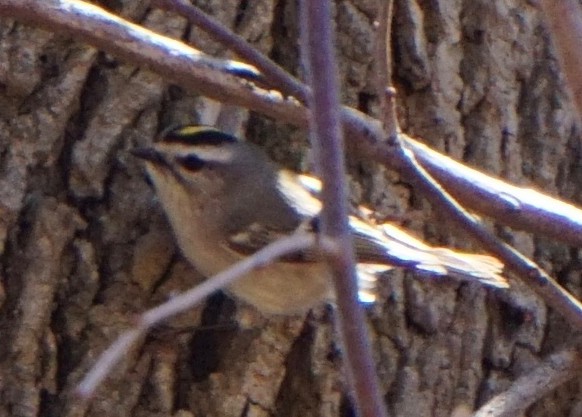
(225, 199)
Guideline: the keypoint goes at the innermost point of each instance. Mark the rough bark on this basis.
(85, 245)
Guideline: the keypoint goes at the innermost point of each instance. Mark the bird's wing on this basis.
(378, 247)
(256, 236)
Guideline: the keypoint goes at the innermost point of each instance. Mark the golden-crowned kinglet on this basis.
(225, 200)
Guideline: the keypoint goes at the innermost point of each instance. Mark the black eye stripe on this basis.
(190, 162)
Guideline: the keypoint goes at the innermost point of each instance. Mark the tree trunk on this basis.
(86, 247)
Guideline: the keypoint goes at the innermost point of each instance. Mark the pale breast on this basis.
(285, 288)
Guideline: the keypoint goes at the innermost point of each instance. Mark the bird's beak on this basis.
(149, 154)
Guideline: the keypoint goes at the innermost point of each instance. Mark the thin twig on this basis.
(273, 73)
(386, 92)
(557, 369)
(186, 301)
(317, 47)
(107, 361)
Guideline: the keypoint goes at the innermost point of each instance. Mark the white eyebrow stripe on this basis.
(208, 153)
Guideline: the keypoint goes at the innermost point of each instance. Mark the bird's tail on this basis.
(401, 249)
(442, 261)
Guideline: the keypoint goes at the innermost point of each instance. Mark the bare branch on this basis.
(273, 73)
(526, 390)
(386, 93)
(383, 45)
(317, 47)
(546, 287)
(517, 207)
(174, 60)
(107, 361)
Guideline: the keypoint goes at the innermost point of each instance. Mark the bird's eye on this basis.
(191, 162)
